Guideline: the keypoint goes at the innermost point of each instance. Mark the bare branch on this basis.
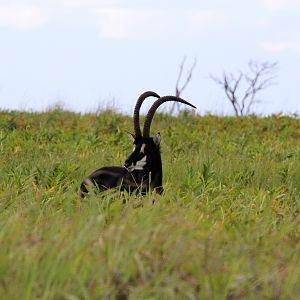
(179, 76)
(188, 78)
(179, 89)
(260, 77)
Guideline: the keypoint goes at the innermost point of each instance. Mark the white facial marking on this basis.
(143, 148)
(139, 165)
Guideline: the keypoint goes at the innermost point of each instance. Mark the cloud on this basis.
(280, 47)
(280, 5)
(21, 17)
(121, 23)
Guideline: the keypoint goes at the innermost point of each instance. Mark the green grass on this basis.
(227, 226)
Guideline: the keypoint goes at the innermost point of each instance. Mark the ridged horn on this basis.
(136, 114)
(154, 107)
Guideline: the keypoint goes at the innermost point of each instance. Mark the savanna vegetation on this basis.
(227, 226)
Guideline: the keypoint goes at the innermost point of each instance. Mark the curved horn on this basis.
(154, 107)
(136, 114)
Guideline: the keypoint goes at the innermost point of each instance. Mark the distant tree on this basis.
(179, 88)
(241, 89)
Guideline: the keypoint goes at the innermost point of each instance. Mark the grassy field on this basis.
(227, 227)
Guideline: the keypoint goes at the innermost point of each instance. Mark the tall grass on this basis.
(227, 226)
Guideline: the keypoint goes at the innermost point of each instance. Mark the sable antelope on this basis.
(143, 168)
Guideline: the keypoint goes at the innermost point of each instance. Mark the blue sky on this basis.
(89, 54)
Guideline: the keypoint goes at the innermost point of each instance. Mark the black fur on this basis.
(128, 178)
(139, 173)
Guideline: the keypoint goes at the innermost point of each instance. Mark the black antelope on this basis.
(143, 168)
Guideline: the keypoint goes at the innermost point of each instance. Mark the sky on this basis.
(92, 54)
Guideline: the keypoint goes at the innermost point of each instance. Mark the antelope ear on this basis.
(131, 136)
(156, 139)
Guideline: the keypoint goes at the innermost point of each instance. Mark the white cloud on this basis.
(280, 5)
(21, 17)
(58, 5)
(279, 47)
(113, 20)
(206, 19)
(141, 23)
